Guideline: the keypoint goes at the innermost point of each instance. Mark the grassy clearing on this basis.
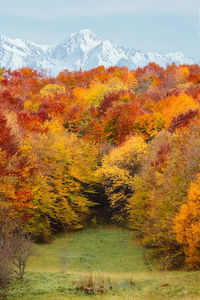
(93, 250)
(108, 253)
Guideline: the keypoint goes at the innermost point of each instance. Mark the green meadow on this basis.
(108, 254)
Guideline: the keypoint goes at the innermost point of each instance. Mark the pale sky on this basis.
(148, 25)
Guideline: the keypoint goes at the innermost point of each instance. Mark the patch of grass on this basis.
(103, 250)
(56, 270)
(147, 285)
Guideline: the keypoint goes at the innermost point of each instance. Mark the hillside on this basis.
(105, 252)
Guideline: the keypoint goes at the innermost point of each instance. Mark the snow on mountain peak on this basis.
(83, 49)
(85, 39)
(88, 34)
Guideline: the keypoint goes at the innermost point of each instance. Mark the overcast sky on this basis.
(154, 25)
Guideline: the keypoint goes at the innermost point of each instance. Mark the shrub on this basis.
(94, 286)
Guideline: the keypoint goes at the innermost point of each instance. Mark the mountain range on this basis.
(83, 50)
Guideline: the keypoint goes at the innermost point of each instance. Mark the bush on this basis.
(94, 286)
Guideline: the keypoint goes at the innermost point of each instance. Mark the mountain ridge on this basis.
(83, 49)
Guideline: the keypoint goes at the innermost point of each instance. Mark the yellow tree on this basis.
(117, 173)
(60, 195)
(172, 106)
(52, 89)
(161, 189)
(187, 225)
(182, 74)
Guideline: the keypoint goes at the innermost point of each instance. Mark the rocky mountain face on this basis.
(83, 50)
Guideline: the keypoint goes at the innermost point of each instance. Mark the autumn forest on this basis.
(106, 145)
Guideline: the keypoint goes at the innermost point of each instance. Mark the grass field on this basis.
(105, 252)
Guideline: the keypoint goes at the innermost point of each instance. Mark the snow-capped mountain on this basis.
(83, 50)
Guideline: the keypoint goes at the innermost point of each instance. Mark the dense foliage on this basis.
(134, 133)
